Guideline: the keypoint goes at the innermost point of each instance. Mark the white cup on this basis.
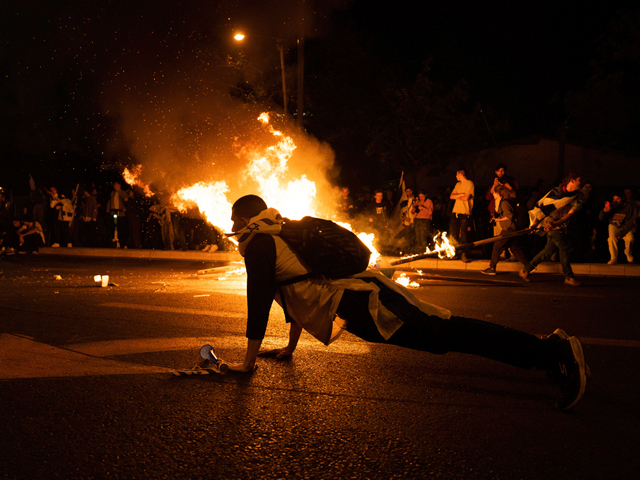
(105, 280)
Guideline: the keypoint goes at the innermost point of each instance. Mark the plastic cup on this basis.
(105, 280)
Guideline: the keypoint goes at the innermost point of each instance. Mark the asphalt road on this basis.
(86, 389)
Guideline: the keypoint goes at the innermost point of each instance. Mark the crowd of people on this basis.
(571, 222)
(119, 216)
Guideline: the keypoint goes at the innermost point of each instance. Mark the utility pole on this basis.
(300, 100)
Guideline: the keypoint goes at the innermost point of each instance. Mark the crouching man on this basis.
(374, 308)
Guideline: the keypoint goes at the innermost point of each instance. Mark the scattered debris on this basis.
(103, 280)
(206, 295)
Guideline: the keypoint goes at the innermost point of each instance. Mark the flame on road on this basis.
(406, 281)
(443, 248)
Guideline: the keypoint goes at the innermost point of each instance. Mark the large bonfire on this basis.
(293, 196)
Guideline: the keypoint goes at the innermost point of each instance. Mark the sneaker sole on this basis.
(578, 354)
(564, 336)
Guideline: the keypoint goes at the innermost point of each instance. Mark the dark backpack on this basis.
(325, 248)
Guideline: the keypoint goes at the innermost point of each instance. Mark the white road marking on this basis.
(157, 308)
(23, 357)
(558, 294)
(221, 343)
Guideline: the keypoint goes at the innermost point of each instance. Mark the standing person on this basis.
(552, 213)
(583, 227)
(347, 205)
(505, 215)
(8, 236)
(117, 212)
(628, 195)
(134, 217)
(64, 212)
(89, 219)
(379, 211)
(501, 178)
(459, 222)
(374, 308)
(391, 200)
(423, 218)
(621, 217)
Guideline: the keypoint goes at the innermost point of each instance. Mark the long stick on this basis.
(466, 246)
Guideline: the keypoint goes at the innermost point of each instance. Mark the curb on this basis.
(588, 269)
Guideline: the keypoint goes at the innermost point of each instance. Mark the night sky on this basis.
(126, 81)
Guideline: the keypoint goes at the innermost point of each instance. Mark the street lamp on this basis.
(238, 37)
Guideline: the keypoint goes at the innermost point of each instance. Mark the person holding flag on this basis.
(551, 214)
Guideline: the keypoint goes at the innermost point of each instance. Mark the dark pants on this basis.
(423, 230)
(89, 233)
(61, 233)
(501, 245)
(557, 240)
(433, 334)
(458, 228)
(407, 237)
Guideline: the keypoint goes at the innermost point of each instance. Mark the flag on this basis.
(552, 206)
(395, 219)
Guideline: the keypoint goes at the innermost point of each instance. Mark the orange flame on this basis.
(293, 198)
(442, 247)
(132, 177)
(210, 199)
(406, 281)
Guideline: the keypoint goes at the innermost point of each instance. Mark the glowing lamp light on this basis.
(238, 37)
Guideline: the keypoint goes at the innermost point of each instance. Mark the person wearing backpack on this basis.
(372, 307)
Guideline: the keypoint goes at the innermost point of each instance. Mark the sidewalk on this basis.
(620, 270)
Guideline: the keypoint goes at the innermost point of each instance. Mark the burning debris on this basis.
(442, 247)
(405, 281)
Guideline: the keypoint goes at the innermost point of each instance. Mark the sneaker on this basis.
(9, 251)
(213, 248)
(69, 245)
(629, 259)
(572, 281)
(524, 275)
(464, 258)
(55, 245)
(205, 249)
(562, 335)
(568, 370)
(612, 262)
(489, 271)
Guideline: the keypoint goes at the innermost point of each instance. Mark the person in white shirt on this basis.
(460, 220)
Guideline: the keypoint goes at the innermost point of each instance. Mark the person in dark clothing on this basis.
(376, 309)
(505, 217)
(552, 214)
